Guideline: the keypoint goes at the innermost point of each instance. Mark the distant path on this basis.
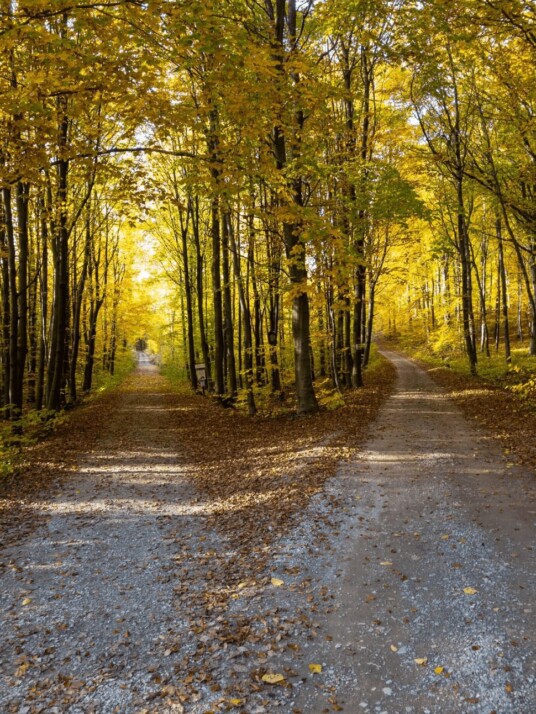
(437, 509)
(87, 600)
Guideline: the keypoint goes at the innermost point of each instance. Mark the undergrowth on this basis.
(282, 404)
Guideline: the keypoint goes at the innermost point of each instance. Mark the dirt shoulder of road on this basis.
(506, 416)
(42, 465)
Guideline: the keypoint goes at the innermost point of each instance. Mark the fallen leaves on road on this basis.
(273, 678)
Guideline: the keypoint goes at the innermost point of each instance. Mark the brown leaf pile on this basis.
(260, 472)
(42, 466)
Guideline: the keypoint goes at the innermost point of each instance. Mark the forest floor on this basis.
(161, 554)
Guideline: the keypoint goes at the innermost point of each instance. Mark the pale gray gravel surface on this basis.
(88, 598)
(102, 605)
(431, 507)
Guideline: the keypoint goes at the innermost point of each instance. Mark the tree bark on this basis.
(502, 273)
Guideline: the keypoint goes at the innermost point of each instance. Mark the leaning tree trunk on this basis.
(60, 319)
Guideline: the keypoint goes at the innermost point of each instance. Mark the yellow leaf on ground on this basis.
(22, 669)
(315, 668)
(439, 670)
(394, 649)
(421, 661)
(27, 601)
(277, 582)
(235, 702)
(386, 562)
(273, 678)
(470, 591)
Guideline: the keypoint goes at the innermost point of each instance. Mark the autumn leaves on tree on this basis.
(297, 174)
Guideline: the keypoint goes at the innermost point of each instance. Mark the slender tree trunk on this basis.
(194, 207)
(502, 272)
(77, 309)
(189, 307)
(91, 344)
(246, 322)
(14, 401)
(219, 344)
(228, 308)
(23, 247)
(60, 319)
(217, 298)
(370, 323)
(6, 315)
(465, 259)
(43, 292)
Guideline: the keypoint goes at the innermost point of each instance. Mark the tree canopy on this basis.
(259, 188)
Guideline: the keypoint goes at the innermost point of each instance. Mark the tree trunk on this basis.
(502, 272)
(6, 326)
(294, 248)
(22, 332)
(43, 293)
(77, 309)
(228, 309)
(60, 319)
(246, 322)
(194, 207)
(189, 306)
(15, 404)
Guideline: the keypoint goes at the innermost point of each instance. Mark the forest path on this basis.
(438, 509)
(88, 597)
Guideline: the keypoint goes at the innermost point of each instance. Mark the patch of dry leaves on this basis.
(261, 472)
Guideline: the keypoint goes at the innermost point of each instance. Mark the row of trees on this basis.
(304, 165)
(407, 173)
(63, 204)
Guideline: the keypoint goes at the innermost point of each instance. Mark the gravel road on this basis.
(88, 598)
(433, 567)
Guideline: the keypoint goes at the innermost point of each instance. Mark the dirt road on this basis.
(436, 569)
(88, 599)
(410, 580)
